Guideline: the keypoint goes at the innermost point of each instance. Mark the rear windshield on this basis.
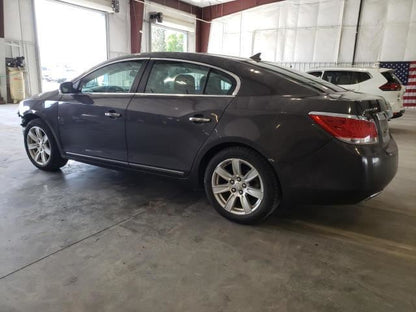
(303, 78)
(391, 77)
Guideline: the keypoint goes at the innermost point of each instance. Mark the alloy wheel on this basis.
(237, 186)
(38, 145)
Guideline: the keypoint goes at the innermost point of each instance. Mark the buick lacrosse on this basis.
(253, 134)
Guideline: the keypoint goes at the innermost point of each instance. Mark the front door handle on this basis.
(199, 119)
(112, 114)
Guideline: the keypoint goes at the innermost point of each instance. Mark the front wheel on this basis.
(241, 185)
(41, 147)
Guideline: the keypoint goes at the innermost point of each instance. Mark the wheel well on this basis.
(27, 118)
(214, 150)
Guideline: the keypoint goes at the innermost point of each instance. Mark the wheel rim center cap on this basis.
(238, 185)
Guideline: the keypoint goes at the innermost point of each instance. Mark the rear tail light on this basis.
(347, 128)
(391, 86)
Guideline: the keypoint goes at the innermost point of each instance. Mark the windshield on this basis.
(310, 80)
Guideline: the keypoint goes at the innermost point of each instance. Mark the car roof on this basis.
(356, 69)
(207, 57)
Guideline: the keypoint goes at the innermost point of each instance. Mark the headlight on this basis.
(22, 108)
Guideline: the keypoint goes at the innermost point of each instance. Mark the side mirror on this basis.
(67, 87)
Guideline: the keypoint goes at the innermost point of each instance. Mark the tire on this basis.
(246, 188)
(41, 147)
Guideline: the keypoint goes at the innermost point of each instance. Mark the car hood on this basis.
(43, 96)
(37, 102)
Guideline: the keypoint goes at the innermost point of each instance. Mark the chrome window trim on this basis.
(105, 93)
(177, 172)
(235, 77)
(183, 95)
(152, 94)
(99, 93)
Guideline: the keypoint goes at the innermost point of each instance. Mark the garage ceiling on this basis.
(205, 3)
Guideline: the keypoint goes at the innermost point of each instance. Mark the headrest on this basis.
(184, 84)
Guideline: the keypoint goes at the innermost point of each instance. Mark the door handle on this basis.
(199, 119)
(112, 114)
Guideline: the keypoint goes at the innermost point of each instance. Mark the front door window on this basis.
(114, 78)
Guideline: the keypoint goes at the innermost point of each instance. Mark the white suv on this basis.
(377, 81)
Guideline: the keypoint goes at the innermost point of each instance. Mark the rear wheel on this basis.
(241, 185)
(41, 147)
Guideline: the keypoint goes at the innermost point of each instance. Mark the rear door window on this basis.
(219, 84)
(174, 77)
(345, 77)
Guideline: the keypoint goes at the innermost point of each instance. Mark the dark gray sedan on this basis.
(254, 134)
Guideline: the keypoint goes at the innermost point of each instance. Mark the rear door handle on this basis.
(199, 119)
(112, 114)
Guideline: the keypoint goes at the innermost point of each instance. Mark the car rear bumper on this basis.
(396, 104)
(398, 114)
(341, 173)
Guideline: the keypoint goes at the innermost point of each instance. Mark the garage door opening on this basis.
(71, 40)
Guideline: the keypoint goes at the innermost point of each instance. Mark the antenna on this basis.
(256, 57)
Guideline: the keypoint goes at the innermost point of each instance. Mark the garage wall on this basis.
(119, 42)
(388, 30)
(319, 31)
(20, 39)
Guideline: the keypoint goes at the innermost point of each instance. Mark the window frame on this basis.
(152, 61)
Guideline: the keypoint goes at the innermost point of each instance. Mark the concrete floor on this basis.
(93, 239)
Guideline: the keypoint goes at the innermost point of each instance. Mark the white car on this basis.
(376, 81)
